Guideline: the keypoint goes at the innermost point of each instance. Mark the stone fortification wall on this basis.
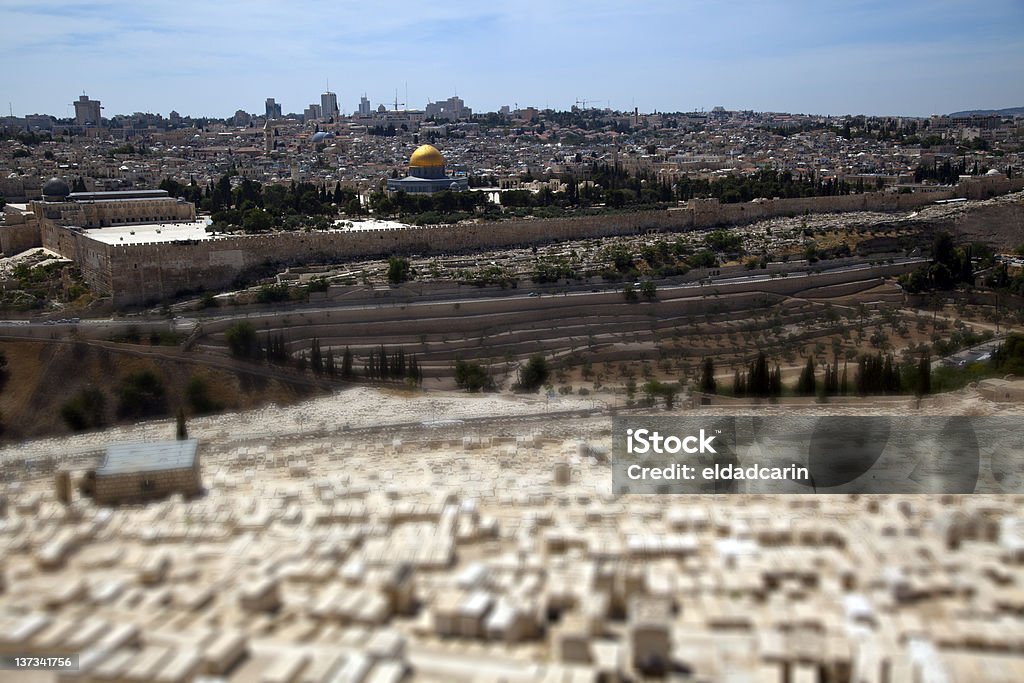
(151, 272)
(92, 257)
(19, 231)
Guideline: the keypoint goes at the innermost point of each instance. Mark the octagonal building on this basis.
(427, 174)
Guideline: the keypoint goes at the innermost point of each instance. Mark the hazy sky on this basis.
(210, 57)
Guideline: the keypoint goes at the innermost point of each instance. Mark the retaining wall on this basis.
(137, 273)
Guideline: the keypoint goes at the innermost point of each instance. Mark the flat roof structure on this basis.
(129, 458)
(117, 195)
(349, 225)
(150, 233)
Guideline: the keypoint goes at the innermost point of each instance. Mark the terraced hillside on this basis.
(682, 325)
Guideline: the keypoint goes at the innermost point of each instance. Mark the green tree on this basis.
(649, 290)
(924, 375)
(346, 365)
(141, 394)
(197, 394)
(383, 370)
(707, 378)
(316, 357)
(807, 384)
(1009, 356)
(86, 410)
(759, 380)
(181, 429)
(534, 374)
(257, 220)
(669, 392)
(398, 270)
(241, 340)
(472, 377)
(739, 385)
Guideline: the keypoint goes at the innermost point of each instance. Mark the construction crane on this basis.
(396, 100)
(584, 102)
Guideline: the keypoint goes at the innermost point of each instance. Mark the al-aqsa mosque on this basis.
(427, 174)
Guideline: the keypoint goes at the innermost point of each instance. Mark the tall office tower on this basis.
(87, 112)
(273, 109)
(364, 106)
(329, 105)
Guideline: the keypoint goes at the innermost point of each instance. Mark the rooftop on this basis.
(125, 458)
(151, 233)
(117, 195)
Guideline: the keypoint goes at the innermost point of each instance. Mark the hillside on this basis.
(41, 377)
(1009, 111)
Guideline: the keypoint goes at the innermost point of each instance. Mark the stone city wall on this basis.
(19, 232)
(91, 257)
(140, 273)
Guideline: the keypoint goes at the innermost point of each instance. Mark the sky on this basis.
(211, 58)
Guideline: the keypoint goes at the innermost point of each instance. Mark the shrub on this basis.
(472, 377)
(141, 395)
(534, 374)
(86, 410)
(241, 340)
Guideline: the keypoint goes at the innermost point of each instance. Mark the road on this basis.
(185, 324)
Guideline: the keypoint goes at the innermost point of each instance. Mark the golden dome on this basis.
(426, 156)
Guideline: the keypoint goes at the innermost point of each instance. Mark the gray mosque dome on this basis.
(56, 188)
(322, 135)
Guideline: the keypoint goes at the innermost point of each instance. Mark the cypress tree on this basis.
(806, 384)
(182, 428)
(737, 384)
(924, 375)
(707, 380)
(758, 381)
(316, 358)
(346, 364)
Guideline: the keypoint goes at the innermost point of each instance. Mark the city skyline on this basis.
(866, 57)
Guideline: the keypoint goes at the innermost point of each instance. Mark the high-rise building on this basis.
(364, 106)
(273, 109)
(87, 112)
(313, 113)
(452, 109)
(329, 105)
